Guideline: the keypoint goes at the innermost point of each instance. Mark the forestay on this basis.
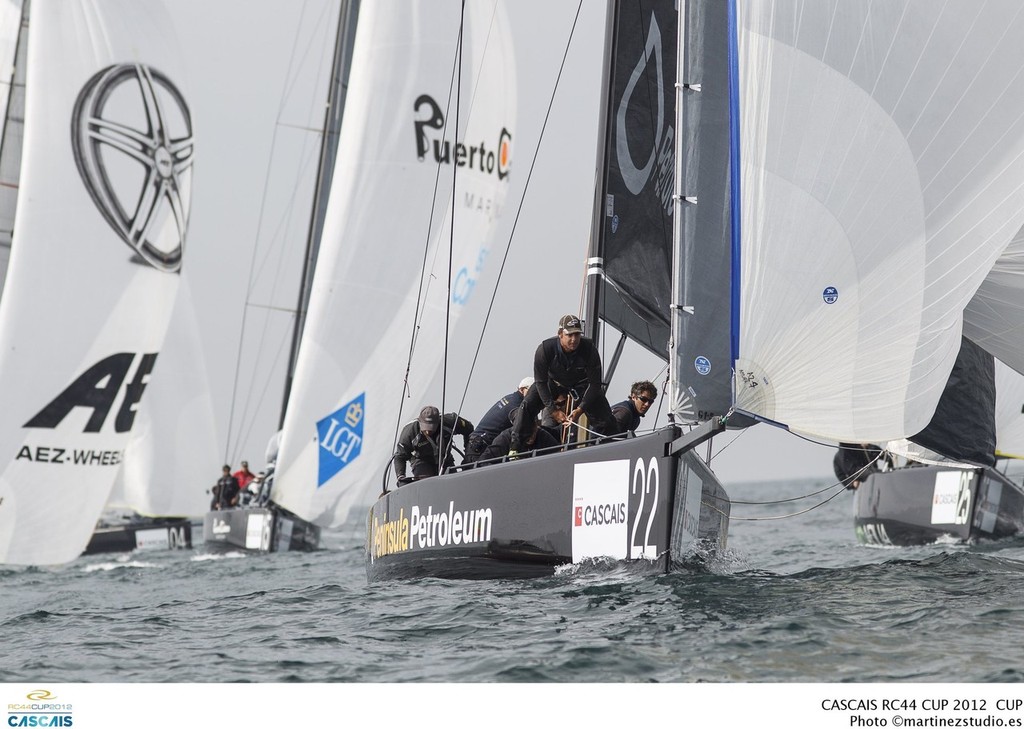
(880, 147)
(101, 222)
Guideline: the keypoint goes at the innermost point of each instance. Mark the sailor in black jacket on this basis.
(628, 412)
(498, 418)
(423, 440)
(570, 363)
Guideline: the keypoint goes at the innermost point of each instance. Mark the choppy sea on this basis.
(795, 598)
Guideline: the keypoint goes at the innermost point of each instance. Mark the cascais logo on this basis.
(129, 116)
(494, 160)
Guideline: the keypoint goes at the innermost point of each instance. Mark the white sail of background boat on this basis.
(173, 448)
(181, 437)
(385, 257)
(102, 215)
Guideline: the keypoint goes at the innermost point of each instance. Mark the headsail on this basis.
(702, 348)
(93, 272)
(879, 147)
(963, 427)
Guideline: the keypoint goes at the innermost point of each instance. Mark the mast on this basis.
(678, 307)
(11, 141)
(348, 14)
(595, 261)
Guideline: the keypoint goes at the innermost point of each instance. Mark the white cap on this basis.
(525, 382)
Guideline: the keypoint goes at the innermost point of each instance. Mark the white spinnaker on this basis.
(82, 316)
(382, 214)
(881, 153)
(173, 445)
(1009, 412)
(995, 317)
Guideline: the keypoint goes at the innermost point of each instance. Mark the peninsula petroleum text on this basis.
(431, 529)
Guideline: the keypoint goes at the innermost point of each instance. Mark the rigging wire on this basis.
(839, 489)
(426, 243)
(441, 450)
(519, 209)
(773, 518)
(230, 450)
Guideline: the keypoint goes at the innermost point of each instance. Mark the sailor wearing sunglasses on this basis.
(628, 412)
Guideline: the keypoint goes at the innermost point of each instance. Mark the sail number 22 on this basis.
(646, 482)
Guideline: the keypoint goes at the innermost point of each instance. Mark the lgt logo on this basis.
(341, 438)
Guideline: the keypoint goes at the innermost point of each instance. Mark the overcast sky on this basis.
(257, 80)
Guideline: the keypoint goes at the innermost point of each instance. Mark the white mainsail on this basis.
(880, 149)
(389, 219)
(101, 222)
(391, 210)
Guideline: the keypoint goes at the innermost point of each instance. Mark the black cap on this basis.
(430, 418)
(570, 324)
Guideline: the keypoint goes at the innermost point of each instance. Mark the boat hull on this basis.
(151, 534)
(918, 505)
(258, 529)
(628, 500)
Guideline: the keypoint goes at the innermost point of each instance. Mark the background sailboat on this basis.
(83, 316)
(263, 525)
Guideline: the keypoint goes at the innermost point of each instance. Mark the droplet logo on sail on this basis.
(130, 118)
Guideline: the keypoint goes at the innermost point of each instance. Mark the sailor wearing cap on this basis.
(567, 362)
(424, 440)
(496, 420)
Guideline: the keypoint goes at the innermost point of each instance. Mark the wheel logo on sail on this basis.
(830, 295)
(702, 365)
(128, 119)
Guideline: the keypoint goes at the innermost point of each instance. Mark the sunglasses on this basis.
(645, 400)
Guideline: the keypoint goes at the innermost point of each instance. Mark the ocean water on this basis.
(793, 599)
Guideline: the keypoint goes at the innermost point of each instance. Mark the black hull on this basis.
(258, 529)
(628, 500)
(919, 505)
(144, 534)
